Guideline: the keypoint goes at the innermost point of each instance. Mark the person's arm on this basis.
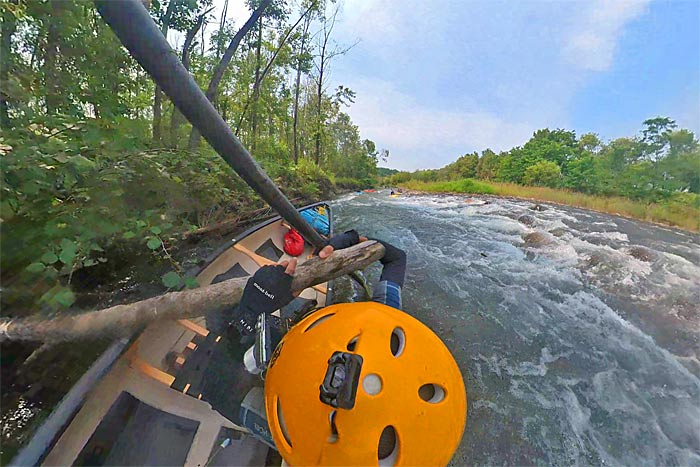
(388, 290)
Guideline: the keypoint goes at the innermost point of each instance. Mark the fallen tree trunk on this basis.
(123, 320)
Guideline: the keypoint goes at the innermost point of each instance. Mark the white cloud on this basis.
(594, 36)
(422, 137)
(371, 20)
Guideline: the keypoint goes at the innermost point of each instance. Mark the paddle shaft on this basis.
(138, 32)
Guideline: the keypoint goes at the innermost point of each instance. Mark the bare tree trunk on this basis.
(157, 114)
(325, 57)
(123, 320)
(213, 87)
(297, 89)
(9, 26)
(158, 96)
(51, 79)
(176, 118)
(256, 88)
(222, 24)
(261, 76)
(319, 114)
(319, 89)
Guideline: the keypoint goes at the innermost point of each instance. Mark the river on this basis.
(577, 335)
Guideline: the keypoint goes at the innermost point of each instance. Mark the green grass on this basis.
(681, 210)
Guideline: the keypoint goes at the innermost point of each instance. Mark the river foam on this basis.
(575, 350)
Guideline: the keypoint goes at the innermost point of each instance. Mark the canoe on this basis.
(475, 201)
(178, 393)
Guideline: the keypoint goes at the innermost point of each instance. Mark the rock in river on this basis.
(538, 239)
(526, 219)
(642, 253)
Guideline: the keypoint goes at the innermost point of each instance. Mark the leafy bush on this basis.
(348, 183)
(543, 173)
(71, 192)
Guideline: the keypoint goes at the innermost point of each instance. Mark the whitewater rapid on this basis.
(577, 333)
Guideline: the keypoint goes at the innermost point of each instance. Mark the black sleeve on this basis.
(344, 240)
(394, 261)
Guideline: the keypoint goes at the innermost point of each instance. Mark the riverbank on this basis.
(682, 210)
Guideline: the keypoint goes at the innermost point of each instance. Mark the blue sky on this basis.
(440, 78)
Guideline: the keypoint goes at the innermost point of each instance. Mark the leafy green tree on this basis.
(582, 174)
(463, 167)
(488, 165)
(81, 172)
(681, 166)
(655, 136)
(543, 173)
(590, 142)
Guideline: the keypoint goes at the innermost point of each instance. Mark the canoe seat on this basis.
(270, 251)
(234, 272)
(190, 377)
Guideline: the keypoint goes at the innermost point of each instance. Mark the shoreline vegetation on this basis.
(652, 176)
(108, 194)
(681, 210)
(99, 165)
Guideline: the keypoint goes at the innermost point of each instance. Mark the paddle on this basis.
(135, 28)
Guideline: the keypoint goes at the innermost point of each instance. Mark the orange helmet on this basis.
(364, 384)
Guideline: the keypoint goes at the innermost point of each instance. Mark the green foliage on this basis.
(655, 166)
(543, 173)
(488, 165)
(386, 172)
(72, 191)
(83, 173)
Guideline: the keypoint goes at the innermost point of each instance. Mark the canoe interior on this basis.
(263, 244)
(181, 379)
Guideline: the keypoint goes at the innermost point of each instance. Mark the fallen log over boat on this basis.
(123, 320)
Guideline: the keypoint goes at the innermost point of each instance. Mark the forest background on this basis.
(95, 158)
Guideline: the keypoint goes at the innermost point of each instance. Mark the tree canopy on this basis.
(94, 156)
(660, 161)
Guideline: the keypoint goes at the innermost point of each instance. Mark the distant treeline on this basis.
(660, 161)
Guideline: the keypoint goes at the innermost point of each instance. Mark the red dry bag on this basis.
(293, 243)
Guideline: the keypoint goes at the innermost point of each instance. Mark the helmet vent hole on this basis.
(283, 426)
(431, 393)
(388, 449)
(317, 322)
(372, 384)
(334, 429)
(353, 343)
(398, 342)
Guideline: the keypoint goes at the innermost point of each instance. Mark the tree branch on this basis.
(267, 68)
(216, 78)
(123, 320)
